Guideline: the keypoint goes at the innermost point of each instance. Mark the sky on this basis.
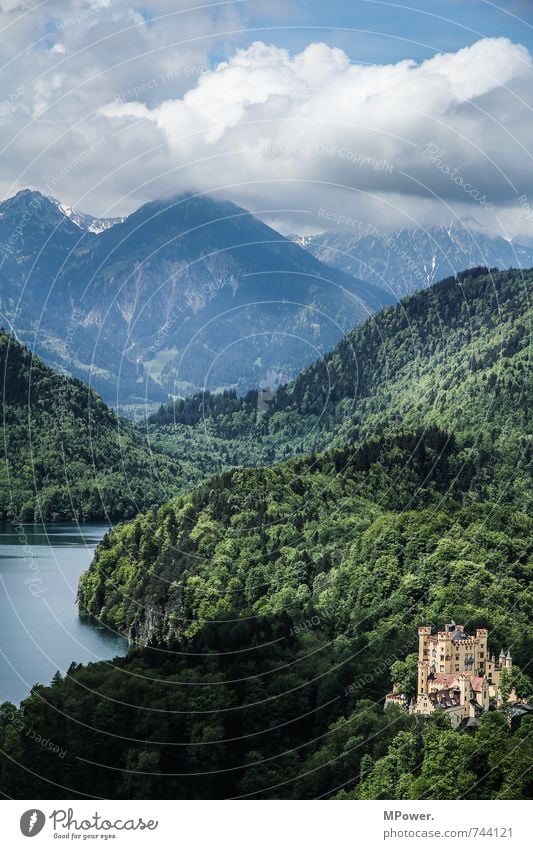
(313, 115)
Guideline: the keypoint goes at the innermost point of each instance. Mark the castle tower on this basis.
(508, 664)
(444, 653)
(482, 635)
(423, 671)
(424, 632)
(464, 689)
(490, 668)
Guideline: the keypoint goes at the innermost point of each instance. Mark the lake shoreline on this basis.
(41, 628)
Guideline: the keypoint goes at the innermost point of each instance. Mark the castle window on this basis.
(442, 668)
(457, 667)
(481, 654)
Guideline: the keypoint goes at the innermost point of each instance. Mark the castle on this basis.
(456, 674)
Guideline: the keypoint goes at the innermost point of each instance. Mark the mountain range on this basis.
(196, 293)
(414, 258)
(183, 294)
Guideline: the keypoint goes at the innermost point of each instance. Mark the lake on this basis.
(40, 630)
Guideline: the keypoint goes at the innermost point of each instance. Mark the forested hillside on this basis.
(274, 603)
(457, 356)
(254, 541)
(267, 606)
(65, 454)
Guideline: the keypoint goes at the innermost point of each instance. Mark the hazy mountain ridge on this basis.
(85, 221)
(181, 293)
(415, 258)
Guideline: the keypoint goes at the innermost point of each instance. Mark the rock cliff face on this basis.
(148, 629)
(182, 295)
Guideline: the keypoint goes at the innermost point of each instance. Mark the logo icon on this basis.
(32, 822)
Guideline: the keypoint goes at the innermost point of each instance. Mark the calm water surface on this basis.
(40, 630)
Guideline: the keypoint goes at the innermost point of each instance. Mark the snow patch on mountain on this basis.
(85, 221)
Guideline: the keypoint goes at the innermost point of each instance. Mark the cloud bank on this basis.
(286, 134)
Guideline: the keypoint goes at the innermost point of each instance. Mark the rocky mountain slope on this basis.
(183, 294)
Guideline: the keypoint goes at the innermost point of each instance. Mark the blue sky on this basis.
(381, 32)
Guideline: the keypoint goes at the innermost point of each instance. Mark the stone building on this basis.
(456, 673)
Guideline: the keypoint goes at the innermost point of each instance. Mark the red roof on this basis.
(447, 679)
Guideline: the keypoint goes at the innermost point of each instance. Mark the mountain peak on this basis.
(23, 198)
(53, 211)
(192, 210)
(31, 210)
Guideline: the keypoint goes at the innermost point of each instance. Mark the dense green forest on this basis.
(267, 606)
(65, 454)
(262, 541)
(457, 355)
(272, 622)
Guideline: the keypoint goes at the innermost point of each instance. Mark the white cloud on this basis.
(290, 126)
(72, 56)
(268, 129)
